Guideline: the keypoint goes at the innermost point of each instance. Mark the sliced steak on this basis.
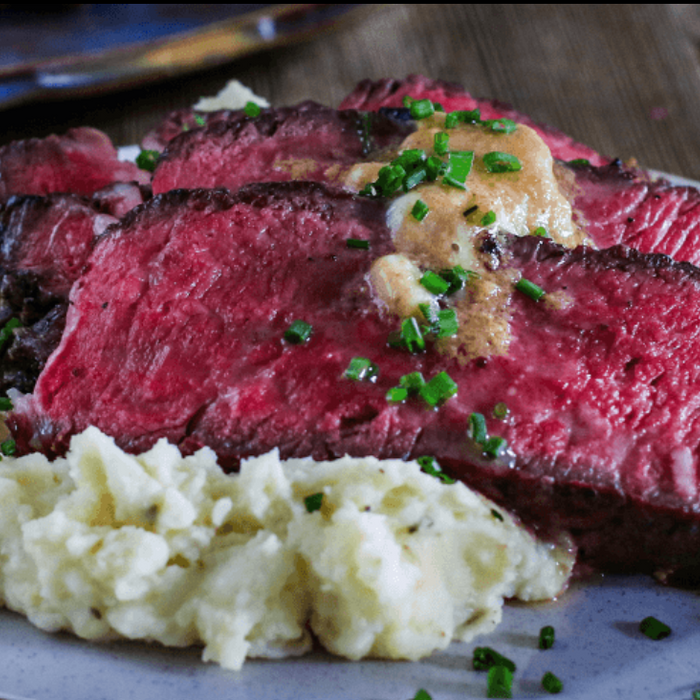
(372, 95)
(308, 142)
(81, 162)
(177, 330)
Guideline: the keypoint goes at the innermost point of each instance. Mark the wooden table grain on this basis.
(624, 79)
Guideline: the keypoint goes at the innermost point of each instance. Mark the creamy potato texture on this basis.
(394, 564)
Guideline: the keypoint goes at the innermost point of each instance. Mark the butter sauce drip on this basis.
(449, 235)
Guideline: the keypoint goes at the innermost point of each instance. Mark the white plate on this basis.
(599, 654)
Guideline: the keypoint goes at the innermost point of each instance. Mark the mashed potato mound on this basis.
(394, 564)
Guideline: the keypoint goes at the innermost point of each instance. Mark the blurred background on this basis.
(624, 79)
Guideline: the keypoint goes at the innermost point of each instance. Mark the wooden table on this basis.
(624, 79)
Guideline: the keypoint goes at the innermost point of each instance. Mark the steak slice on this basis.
(307, 142)
(177, 330)
(621, 205)
(371, 95)
(81, 162)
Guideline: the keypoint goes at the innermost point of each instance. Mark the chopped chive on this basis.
(551, 683)
(494, 446)
(440, 388)
(488, 218)
(430, 315)
(499, 162)
(501, 126)
(430, 466)
(434, 283)
(357, 243)
(441, 143)
(500, 411)
(361, 369)
(546, 640)
(579, 162)
(477, 428)
(499, 683)
(422, 695)
(410, 158)
(460, 165)
(434, 168)
(541, 231)
(199, 120)
(438, 107)
(6, 331)
(9, 447)
(420, 210)
(313, 502)
(146, 160)
(696, 695)
(251, 109)
(496, 515)
(412, 382)
(406, 101)
(530, 289)
(299, 332)
(5, 404)
(397, 394)
(412, 336)
(470, 211)
(447, 324)
(457, 277)
(414, 179)
(462, 117)
(654, 629)
(420, 109)
(185, 127)
(486, 657)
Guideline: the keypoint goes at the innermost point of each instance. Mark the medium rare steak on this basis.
(307, 142)
(372, 95)
(81, 161)
(177, 329)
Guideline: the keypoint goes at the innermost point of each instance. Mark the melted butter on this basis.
(522, 201)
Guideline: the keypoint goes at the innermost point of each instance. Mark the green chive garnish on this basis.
(457, 278)
(434, 168)
(530, 289)
(488, 218)
(414, 179)
(477, 428)
(441, 142)
(460, 165)
(199, 120)
(361, 369)
(452, 182)
(422, 695)
(494, 446)
(654, 629)
(357, 243)
(6, 331)
(397, 394)
(551, 683)
(440, 388)
(499, 162)
(420, 109)
(447, 323)
(299, 332)
(546, 640)
(462, 117)
(146, 160)
(313, 502)
(496, 515)
(251, 109)
(434, 283)
(412, 336)
(412, 382)
(430, 466)
(5, 404)
(499, 683)
(420, 210)
(501, 126)
(579, 162)
(9, 447)
(540, 231)
(486, 658)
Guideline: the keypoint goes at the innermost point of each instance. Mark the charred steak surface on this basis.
(177, 330)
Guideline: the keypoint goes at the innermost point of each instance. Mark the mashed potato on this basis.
(393, 564)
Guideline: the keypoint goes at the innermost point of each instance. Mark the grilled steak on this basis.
(178, 329)
(81, 162)
(389, 93)
(308, 142)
